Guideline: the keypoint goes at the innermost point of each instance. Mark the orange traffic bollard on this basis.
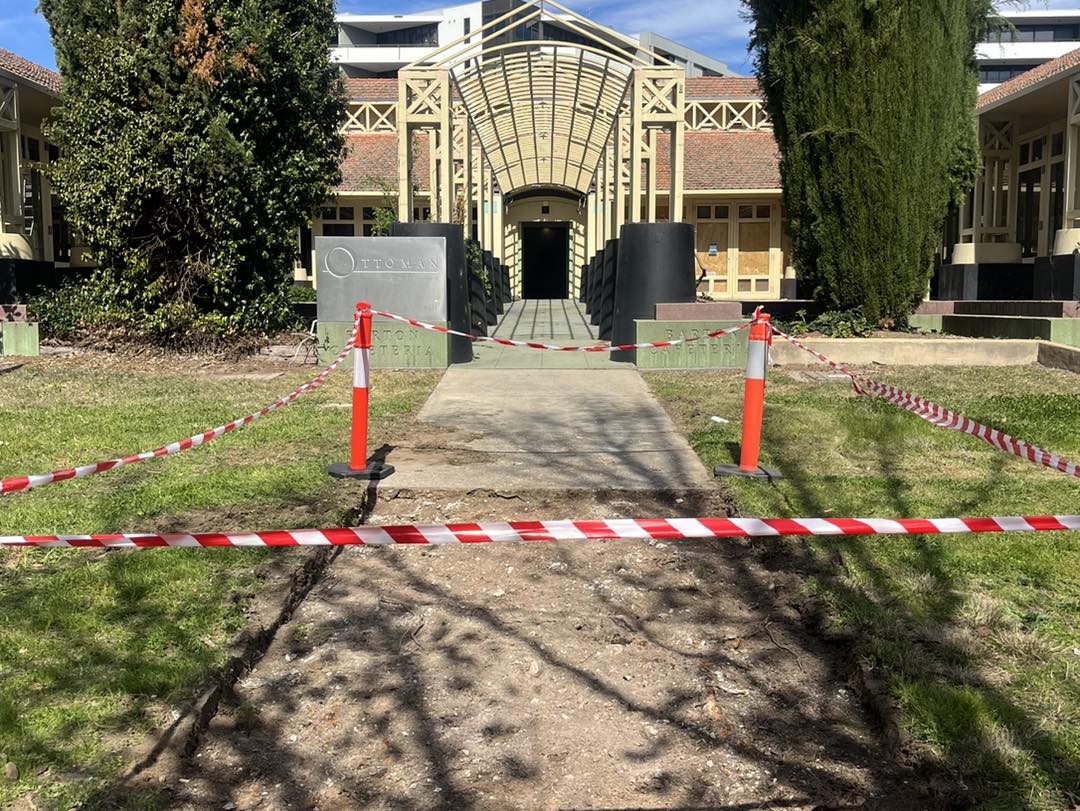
(358, 466)
(757, 361)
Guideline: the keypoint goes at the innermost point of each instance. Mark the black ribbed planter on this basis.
(457, 280)
(607, 288)
(584, 288)
(508, 293)
(596, 287)
(656, 265)
(489, 309)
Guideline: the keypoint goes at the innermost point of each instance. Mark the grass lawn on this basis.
(95, 646)
(978, 637)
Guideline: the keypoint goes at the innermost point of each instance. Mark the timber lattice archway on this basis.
(512, 107)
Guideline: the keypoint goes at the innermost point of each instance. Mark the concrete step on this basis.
(1026, 309)
(1059, 330)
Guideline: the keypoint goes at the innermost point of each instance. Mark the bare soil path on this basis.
(594, 675)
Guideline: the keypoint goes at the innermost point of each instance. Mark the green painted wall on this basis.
(393, 345)
(19, 338)
(928, 323)
(728, 352)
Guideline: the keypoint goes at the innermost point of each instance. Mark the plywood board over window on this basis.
(755, 233)
(712, 242)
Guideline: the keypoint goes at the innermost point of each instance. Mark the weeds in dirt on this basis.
(977, 637)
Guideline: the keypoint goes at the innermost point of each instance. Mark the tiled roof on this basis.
(1030, 78)
(28, 71)
(374, 156)
(371, 89)
(723, 160)
(722, 87)
(713, 160)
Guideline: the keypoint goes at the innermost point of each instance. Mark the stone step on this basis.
(1060, 330)
(1027, 309)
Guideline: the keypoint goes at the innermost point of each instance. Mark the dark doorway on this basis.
(545, 256)
(1027, 211)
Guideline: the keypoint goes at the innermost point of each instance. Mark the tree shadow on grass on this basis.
(901, 606)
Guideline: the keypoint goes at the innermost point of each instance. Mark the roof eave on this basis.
(1031, 88)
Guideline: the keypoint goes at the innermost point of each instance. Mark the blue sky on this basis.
(714, 27)
(692, 22)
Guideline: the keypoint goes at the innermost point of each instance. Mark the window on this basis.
(338, 229)
(345, 213)
(31, 149)
(417, 35)
(328, 214)
(1001, 73)
(746, 212)
(704, 212)
(1057, 143)
(721, 212)
(1041, 32)
(762, 212)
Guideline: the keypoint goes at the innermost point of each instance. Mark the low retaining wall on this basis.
(19, 338)
(1059, 356)
(909, 352)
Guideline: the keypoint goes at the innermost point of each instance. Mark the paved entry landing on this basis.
(553, 321)
(566, 429)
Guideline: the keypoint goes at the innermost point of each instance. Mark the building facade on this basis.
(32, 225)
(542, 132)
(1018, 234)
(1029, 39)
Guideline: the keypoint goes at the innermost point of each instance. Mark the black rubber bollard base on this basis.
(763, 473)
(374, 471)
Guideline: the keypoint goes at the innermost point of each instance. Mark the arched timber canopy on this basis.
(543, 108)
(543, 111)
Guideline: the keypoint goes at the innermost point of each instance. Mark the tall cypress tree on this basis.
(872, 102)
(195, 137)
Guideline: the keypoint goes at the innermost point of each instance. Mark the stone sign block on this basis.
(402, 275)
(393, 345)
(728, 352)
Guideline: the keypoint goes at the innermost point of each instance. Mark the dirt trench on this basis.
(618, 674)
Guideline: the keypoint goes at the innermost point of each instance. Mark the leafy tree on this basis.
(872, 104)
(195, 137)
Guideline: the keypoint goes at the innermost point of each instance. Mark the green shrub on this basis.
(195, 137)
(832, 324)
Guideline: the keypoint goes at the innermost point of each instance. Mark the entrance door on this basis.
(1027, 211)
(545, 259)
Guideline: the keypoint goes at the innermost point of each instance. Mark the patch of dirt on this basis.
(622, 674)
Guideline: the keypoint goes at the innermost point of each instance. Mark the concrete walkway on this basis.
(553, 321)
(567, 429)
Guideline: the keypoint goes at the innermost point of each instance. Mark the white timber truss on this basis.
(370, 116)
(992, 205)
(505, 116)
(703, 115)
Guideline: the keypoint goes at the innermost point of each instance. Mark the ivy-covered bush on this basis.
(195, 138)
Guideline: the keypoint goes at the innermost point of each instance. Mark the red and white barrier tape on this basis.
(28, 482)
(665, 529)
(553, 347)
(941, 417)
